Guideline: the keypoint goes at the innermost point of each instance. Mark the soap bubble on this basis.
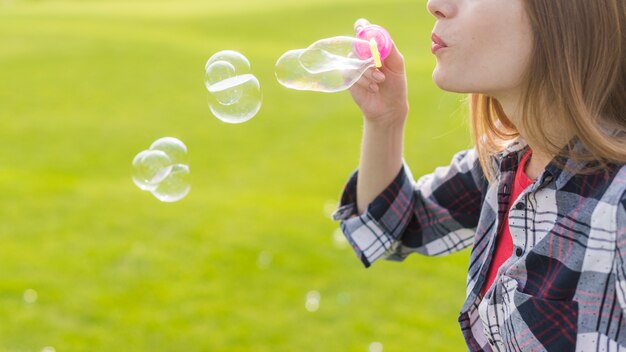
(337, 53)
(328, 65)
(174, 148)
(343, 298)
(162, 170)
(149, 168)
(30, 296)
(264, 260)
(375, 347)
(175, 186)
(237, 60)
(218, 71)
(312, 302)
(339, 240)
(234, 93)
(329, 207)
(334, 64)
(235, 100)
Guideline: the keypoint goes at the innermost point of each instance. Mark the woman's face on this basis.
(487, 45)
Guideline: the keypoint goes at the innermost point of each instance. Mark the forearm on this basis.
(381, 160)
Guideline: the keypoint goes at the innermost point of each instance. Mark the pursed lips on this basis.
(437, 43)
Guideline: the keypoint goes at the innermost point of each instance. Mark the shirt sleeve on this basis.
(620, 257)
(435, 215)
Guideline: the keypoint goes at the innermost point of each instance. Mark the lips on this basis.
(437, 43)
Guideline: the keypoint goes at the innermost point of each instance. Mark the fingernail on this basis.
(379, 76)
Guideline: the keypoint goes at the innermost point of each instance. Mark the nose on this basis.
(441, 8)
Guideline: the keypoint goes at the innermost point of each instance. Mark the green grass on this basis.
(86, 85)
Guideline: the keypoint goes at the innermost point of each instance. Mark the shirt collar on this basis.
(508, 160)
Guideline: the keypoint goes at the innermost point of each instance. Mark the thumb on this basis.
(394, 63)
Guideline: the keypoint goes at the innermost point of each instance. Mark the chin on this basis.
(445, 83)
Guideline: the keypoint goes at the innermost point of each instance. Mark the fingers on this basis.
(360, 23)
(365, 86)
(370, 80)
(376, 75)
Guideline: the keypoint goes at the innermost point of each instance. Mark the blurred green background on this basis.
(88, 262)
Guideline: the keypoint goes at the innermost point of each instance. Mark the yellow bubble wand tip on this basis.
(375, 53)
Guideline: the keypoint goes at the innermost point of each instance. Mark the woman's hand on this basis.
(382, 93)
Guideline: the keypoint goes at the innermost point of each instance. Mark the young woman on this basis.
(540, 198)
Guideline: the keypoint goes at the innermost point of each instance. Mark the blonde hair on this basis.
(578, 69)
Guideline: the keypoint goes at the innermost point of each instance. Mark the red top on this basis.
(504, 242)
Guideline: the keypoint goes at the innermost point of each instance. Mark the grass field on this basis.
(85, 85)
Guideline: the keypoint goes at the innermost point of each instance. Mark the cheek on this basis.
(463, 69)
(484, 64)
(490, 51)
(508, 63)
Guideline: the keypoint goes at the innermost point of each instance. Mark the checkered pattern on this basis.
(564, 287)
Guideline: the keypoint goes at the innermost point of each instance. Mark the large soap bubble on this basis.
(234, 93)
(334, 64)
(162, 170)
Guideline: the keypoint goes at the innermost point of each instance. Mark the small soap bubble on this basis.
(175, 186)
(329, 207)
(234, 93)
(218, 71)
(312, 303)
(149, 168)
(239, 62)
(339, 239)
(343, 298)
(264, 260)
(162, 170)
(48, 349)
(375, 347)
(30, 296)
(175, 149)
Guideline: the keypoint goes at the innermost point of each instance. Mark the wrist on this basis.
(389, 120)
(390, 123)
(384, 140)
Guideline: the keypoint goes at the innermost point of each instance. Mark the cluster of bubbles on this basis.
(234, 93)
(162, 170)
(328, 65)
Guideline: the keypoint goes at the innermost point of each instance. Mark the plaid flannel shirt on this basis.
(564, 287)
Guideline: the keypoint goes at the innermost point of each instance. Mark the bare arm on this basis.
(382, 96)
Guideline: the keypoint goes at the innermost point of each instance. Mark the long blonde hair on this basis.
(578, 69)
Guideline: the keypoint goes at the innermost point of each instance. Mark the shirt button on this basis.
(519, 251)
(491, 342)
(520, 206)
